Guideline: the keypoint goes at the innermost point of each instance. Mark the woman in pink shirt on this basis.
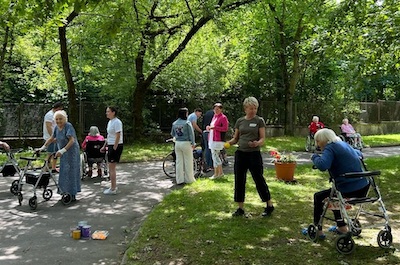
(216, 138)
(350, 132)
(94, 135)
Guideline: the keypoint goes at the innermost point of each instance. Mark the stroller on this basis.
(39, 178)
(344, 242)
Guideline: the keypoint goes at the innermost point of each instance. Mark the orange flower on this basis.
(282, 158)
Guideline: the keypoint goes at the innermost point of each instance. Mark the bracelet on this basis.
(62, 151)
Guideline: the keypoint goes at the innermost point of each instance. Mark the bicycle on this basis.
(169, 162)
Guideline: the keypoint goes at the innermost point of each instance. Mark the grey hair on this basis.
(94, 130)
(250, 101)
(345, 119)
(61, 113)
(326, 135)
(315, 118)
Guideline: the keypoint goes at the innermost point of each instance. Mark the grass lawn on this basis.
(193, 225)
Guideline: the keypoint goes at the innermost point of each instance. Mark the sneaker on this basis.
(239, 212)
(268, 211)
(110, 191)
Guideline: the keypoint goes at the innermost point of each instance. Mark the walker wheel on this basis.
(385, 239)
(14, 187)
(33, 203)
(20, 198)
(356, 227)
(312, 232)
(345, 244)
(47, 194)
(66, 198)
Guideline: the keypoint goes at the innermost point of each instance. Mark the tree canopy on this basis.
(137, 54)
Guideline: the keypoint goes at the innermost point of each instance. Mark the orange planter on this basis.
(285, 171)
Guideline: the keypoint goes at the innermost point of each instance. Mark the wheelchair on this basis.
(310, 143)
(351, 141)
(169, 162)
(344, 242)
(93, 155)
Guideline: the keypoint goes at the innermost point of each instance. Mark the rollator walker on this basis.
(344, 242)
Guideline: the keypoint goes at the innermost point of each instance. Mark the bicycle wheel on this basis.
(169, 165)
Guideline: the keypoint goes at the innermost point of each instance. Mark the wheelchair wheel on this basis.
(222, 156)
(195, 168)
(47, 194)
(385, 239)
(309, 146)
(33, 203)
(356, 227)
(14, 187)
(345, 244)
(312, 232)
(169, 165)
(198, 174)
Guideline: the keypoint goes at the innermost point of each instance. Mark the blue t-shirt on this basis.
(192, 117)
(340, 158)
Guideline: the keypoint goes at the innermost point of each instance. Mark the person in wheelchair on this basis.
(338, 158)
(350, 134)
(315, 125)
(92, 144)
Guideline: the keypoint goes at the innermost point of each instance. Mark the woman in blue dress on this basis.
(68, 150)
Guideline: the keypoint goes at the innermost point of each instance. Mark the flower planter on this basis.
(285, 171)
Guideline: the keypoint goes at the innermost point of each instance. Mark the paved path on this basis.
(43, 236)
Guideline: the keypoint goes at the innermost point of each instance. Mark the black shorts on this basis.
(114, 156)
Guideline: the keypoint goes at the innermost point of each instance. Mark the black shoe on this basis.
(268, 211)
(239, 212)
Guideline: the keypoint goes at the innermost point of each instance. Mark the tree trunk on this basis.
(294, 78)
(72, 98)
(3, 52)
(143, 84)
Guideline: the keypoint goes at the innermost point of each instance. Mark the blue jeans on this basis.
(207, 151)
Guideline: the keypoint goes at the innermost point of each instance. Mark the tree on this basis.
(172, 25)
